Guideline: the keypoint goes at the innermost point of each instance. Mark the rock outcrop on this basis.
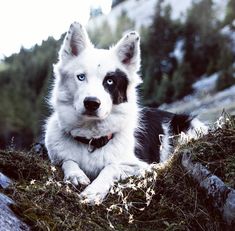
(8, 220)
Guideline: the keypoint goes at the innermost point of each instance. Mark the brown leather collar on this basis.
(94, 143)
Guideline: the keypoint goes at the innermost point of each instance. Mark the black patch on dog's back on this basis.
(118, 89)
(148, 138)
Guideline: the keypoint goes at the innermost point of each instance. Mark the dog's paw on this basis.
(77, 178)
(74, 174)
(92, 197)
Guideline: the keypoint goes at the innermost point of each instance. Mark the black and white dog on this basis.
(97, 131)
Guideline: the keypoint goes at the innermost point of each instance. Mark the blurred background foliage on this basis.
(24, 81)
(25, 78)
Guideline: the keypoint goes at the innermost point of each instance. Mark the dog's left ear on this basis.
(128, 51)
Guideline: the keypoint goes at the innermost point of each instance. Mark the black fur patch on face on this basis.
(116, 84)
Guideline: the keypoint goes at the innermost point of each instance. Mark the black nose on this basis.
(91, 103)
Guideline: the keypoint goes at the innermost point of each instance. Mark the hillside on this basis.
(182, 194)
(205, 102)
(142, 12)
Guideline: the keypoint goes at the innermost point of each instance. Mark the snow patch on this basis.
(178, 52)
(140, 11)
(206, 83)
(230, 33)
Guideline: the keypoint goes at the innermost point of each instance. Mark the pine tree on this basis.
(230, 13)
(200, 37)
(24, 86)
(182, 81)
(157, 54)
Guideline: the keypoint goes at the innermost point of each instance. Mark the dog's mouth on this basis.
(90, 115)
(94, 115)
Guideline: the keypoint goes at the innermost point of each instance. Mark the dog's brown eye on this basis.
(109, 81)
(81, 77)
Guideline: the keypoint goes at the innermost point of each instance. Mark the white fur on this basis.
(196, 129)
(116, 160)
(165, 149)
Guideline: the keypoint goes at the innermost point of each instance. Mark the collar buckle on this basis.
(90, 147)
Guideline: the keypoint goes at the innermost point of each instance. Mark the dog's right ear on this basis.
(75, 41)
(128, 51)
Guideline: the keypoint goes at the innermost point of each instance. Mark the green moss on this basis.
(216, 151)
(24, 166)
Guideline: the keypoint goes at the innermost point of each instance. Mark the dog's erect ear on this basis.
(76, 40)
(128, 51)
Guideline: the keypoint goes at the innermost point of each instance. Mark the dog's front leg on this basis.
(74, 174)
(99, 188)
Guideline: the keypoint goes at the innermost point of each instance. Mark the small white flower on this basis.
(154, 175)
(120, 211)
(124, 200)
(140, 184)
(67, 182)
(67, 189)
(126, 207)
(112, 190)
(97, 201)
(32, 181)
(220, 123)
(112, 207)
(58, 184)
(148, 202)
(148, 190)
(131, 219)
(84, 201)
(120, 193)
(111, 225)
(145, 183)
(53, 168)
(49, 181)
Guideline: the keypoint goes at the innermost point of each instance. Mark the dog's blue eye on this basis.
(81, 77)
(109, 81)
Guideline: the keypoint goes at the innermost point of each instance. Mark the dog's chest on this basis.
(93, 162)
(113, 152)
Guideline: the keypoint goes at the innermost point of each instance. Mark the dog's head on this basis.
(91, 82)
